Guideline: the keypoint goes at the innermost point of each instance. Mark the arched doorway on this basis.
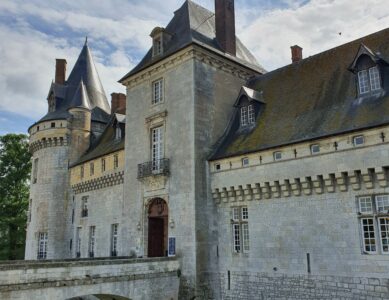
(157, 228)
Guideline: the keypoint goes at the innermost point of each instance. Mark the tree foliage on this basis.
(15, 167)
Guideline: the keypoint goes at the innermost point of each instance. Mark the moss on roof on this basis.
(313, 98)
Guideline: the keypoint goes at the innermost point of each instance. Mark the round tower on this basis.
(49, 145)
(58, 140)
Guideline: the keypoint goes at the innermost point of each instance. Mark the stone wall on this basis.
(130, 278)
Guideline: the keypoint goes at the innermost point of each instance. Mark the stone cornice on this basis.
(191, 52)
(99, 183)
(327, 183)
(48, 142)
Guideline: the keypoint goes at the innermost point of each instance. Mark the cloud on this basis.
(38, 31)
(314, 25)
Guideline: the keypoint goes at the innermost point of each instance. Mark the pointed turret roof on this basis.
(193, 23)
(80, 98)
(85, 70)
(83, 88)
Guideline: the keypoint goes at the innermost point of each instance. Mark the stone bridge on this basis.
(87, 279)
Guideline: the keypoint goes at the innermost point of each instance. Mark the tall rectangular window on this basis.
(91, 168)
(157, 91)
(35, 170)
(114, 239)
(42, 245)
(29, 211)
(240, 229)
(157, 45)
(375, 82)
(384, 233)
(116, 161)
(243, 116)
(102, 164)
(251, 114)
(369, 242)
(156, 147)
(92, 240)
(363, 81)
(78, 242)
(82, 172)
(84, 206)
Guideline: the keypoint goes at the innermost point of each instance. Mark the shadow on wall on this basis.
(99, 297)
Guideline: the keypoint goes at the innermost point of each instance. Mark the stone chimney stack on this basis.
(118, 103)
(297, 53)
(225, 25)
(60, 70)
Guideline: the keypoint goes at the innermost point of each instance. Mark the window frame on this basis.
(116, 161)
(157, 146)
(157, 91)
(114, 239)
(369, 80)
(78, 241)
(103, 164)
(355, 138)
(92, 241)
(315, 146)
(240, 229)
(245, 162)
(91, 168)
(42, 245)
(275, 155)
(84, 207)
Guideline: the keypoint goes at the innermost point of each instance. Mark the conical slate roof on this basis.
(80, 98)
(83, 87)
(193, 23)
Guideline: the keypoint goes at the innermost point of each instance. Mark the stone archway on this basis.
(157, 237)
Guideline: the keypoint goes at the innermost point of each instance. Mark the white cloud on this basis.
(118, 31)
(315, 26)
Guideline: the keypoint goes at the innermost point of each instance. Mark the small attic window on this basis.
(118, 132)
(157, 45)
(247, 115)
(369, 80)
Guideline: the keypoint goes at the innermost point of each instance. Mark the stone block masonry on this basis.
(266, 286)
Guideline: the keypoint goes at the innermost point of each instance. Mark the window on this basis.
(217, 167)
(157, 45)
(116, 161)
(114, 239)
(78, 242)
(118, 132)
(82, 171)
(91, 168)
(247, 115)
(35, 171)
(369, 80)
(29, 211)
(42, 245)
(84, 207)
(358, 140)
(240, 229)
(315, 149)
(102, 164)
(92, 240)
(245, 162)
(156, 147)
(157, 91)
(37, 128)
(52, 125)
(277, 155)
(374, 216)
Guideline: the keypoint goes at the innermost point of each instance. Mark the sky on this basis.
(34, 33)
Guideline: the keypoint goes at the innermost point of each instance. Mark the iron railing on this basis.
(155, 167)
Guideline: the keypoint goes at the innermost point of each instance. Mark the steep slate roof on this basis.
(80, 98)
(193, 23)
(313, 98)
(106, 143)
(84, 71)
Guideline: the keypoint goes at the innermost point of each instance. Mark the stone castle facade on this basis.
(265, 185)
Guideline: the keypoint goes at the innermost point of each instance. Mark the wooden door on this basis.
(156, 237)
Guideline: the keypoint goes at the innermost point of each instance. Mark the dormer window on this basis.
(157, 45)
(247, 115)
(369, 80)
(118, 133)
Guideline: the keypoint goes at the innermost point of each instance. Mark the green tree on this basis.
(15, 167)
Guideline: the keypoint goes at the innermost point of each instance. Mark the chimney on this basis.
(297, 53)
(118, 103)
(225, 25)
(60, 70)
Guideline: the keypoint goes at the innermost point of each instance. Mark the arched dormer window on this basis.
(366, 66)
(51, 103)
(249, 103)
(160, 39)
